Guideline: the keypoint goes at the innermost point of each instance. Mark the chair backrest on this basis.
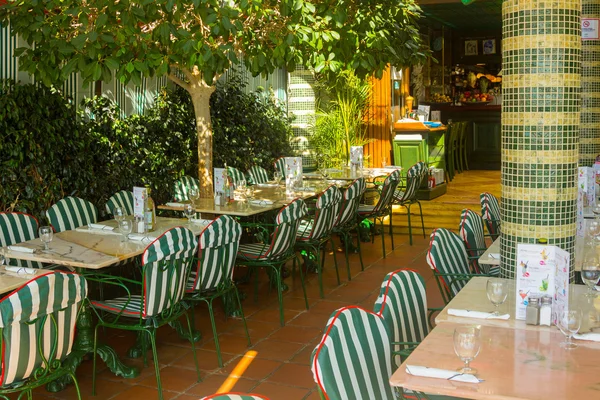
(490, 211)
(387, 191)
(402, 303)
(217, 249)
(182, 185)
(447, 255)
(235, 174)
(326, 213)
(70, 213)
(471, 232)
(167, 263)
(258, 174)
(414, 178)
(280, 165)
(37, 324)
(353, 359)
(286, 221)
(350, 202)
(123, 199)
(235, 396)
(16, 227)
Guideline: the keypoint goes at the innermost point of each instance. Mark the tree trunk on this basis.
(201, 93)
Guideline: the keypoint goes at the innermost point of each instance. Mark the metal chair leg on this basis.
(409, 225)
(422, 223)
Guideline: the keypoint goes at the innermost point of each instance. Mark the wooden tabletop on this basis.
(10, 281)
(515, 364)
(83, 249)
(473, 297)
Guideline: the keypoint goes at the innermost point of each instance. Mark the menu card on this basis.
(356, 156)
(220, 177)
(293, 166)
(541, 270)
(140, 195)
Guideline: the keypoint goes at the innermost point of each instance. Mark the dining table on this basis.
(11, 280)
(346, 174)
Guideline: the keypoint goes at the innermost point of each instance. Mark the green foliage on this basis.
(341, 119)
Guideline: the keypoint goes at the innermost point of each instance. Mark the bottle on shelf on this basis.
(150, 212)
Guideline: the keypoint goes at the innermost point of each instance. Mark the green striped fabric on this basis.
(37, 323)
(280, 165)
(166, 266)
(350, 202)
(218, 246)
(183, 185)
(414, 178)
(385, 198)
(258, 175)
(353, 359)
(283, 238)
(402, 303)
(235, 174)
(447, 255)
(321, 224)
(471, 232)
(123, 199)
(490, 211)
(235, 396)
(70, 213)
(15, 228)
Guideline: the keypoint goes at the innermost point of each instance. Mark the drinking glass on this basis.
(250, 193)
(593, 228)
(497, 292)
(193, 194)
(277, 177)
(189, 212)
(569, 322)
(467, 343)
(46, 234)
(590, 273)
(240, 186)
(118, 213)
(384, 162)
(596, 211)
(3, 259)
(125, 227)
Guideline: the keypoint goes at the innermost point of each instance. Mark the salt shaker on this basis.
(532, 312)
(546, 311)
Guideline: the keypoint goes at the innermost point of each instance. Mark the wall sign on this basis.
(589, 29)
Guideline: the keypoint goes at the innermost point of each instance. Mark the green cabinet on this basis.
(409, 152)
(430, 149)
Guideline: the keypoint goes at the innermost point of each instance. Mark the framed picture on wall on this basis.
(489, 46)
(471, 48)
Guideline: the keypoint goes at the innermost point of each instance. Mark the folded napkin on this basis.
(101, 227)
(476, 314)
(495, 256)
(200, 221)
(140, 237)
(21, 270)
(267, 185)
(178, 205)
(417, 370)
(21, 249)
(261, 202)
(591, 336)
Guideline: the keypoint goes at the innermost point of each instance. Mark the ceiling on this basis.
(480, 15)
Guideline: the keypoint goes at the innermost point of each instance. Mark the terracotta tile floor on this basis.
(282, 367)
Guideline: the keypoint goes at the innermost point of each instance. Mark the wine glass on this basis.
(193, 194)
(46, 234)
(3, 259)
(125, 227)
(384, 162)
(118, 213)
(467, 343)
(250, 192)
(596, 211)
(497, 292)
(569, 322)
(277, 176)
(188, 211)
(590, 273)
(240, 186)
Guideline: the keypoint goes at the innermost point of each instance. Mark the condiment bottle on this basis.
(532, 312)
(149, 212)
(546, 311)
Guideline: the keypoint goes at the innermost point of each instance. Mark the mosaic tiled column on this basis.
(541, 60)
(589, 132)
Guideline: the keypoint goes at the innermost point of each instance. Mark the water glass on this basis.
(467, 343)
(497, 292)
(596, 210)
(277, 177)
(569, 322)
(118, 213)
(590, 273)
(250, 193)
(46, 233)
(193, 194)
(384, 162)
(188, 211)
(3, 259)
(125, 227)
(593, 228)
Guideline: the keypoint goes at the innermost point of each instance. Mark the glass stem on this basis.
(467, 364)
(46, 246)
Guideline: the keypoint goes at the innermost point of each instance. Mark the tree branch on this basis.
(178, 81)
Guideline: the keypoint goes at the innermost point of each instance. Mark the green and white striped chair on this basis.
(448, 259)
(402, 303)
(123, 199)
(70, 213)
(235, 174)
(354, 358)
(37, 329)
(472, 234)
(383, 208)
(408, 196)
(16, 227)
(182, 185)
(166, 265)
(279, 249)
(490, 211)
(314, 233)
(213, 276)
(235, 396)
(346, 220)
(258, 175)
(279, 165)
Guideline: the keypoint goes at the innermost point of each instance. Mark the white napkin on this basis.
(495, 256)
(591, 336)
(140, 237)
(417, 370)
(476, 314)
(178, 205)
(261, 202)
(21, 249)
(21, 270)
(101, 227)
(267, 185)
(200, 221)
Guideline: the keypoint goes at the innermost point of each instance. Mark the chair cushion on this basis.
(117, 305)
(304, 230)
(253, 251)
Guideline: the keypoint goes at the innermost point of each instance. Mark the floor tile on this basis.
(174, 379)
(293, 375)
(296, 334)
(212, 383)
(142, 393)
(275, 391)
(277, 350)
(258, 369)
